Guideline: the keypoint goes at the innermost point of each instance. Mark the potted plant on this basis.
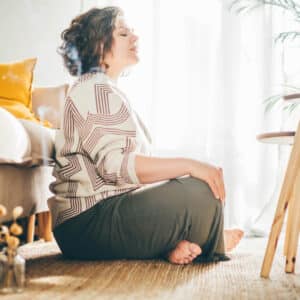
(293, 7)
(12, 265)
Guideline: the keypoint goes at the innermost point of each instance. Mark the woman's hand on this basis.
(213, 176)
(153, 169)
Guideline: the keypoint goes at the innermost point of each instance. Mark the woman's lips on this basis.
(134, 49)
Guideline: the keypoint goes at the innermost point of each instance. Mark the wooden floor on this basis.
(49, 276)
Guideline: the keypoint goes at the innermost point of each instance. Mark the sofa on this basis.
(26, 159)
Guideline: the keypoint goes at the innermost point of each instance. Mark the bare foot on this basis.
(184, 253)
(232, 237)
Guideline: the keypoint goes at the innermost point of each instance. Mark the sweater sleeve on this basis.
(109, 138)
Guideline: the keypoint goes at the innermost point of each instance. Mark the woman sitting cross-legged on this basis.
(113, 200)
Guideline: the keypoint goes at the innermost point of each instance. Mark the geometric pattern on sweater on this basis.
(95, 149)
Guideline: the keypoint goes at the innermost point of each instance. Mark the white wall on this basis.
(31, 28)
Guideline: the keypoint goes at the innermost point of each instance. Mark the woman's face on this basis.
(124, 50)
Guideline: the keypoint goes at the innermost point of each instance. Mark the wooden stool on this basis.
(289, 198)
(44, 227)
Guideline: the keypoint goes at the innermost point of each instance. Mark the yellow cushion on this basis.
(16, 79)
(15, 89)
(18, 109)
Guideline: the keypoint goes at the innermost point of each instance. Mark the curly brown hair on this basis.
(81, 48)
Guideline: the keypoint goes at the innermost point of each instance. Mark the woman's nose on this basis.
(135, 37)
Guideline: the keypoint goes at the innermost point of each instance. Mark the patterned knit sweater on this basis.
(96, 146)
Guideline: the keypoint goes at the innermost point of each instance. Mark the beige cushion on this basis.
(15, 145)
(48, 102)
(42, 143)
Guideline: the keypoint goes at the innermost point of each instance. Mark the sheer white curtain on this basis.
(203, 75)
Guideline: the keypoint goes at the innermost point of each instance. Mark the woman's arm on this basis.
(152, 169)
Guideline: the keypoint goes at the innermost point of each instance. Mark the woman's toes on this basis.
(191, 258)
(184, 252)
(232, 237)
(194, 255)
(239, 232)
(195, 249)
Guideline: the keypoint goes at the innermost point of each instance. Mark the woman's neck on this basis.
(113, 73)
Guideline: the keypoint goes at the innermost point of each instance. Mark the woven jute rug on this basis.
(50, 276)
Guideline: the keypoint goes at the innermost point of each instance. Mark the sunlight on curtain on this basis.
(199, 86)
(187, 37)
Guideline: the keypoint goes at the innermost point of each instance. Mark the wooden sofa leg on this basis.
(41, 226)
(45, 226)
(30, 228)
(48, 227)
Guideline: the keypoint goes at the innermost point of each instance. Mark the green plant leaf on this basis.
(271, 102)
(290, 107)
(241, 9)
(293, 107)
(246, 6)
(273, 98)
(283, 36)
(243, 6)
(233, 3)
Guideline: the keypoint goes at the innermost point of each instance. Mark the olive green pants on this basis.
(147, 223)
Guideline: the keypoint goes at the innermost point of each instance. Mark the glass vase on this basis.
(12, 271)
